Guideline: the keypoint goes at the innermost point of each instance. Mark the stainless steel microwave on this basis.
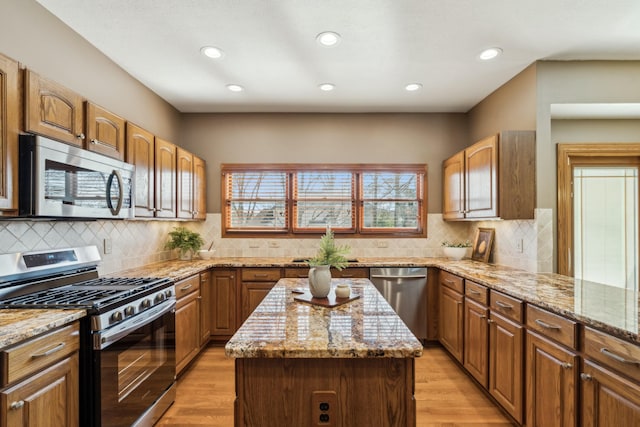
(57, 180)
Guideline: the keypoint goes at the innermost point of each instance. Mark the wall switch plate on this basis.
(107, 246)
(254, 245)
(382, 244)
(520, 245)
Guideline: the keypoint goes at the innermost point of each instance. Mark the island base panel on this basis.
(360, 392)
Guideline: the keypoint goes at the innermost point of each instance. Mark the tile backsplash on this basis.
(140, 242)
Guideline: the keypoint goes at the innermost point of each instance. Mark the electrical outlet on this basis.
(254, 245)
(107, 246)
(324, 408)
(382, 244)
(520, 245)
(274, 244)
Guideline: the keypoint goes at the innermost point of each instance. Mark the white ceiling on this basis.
(270, 48)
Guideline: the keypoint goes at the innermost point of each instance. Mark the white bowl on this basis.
(206, 254)
(454, 253)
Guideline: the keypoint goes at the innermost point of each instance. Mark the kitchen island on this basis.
(301, 364)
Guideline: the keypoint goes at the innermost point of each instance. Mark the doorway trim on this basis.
(567, 156)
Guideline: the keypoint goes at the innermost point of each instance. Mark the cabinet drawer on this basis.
(613, 352)
(476, 292)
(37, 353)
(260, 274)
(186, 286)
(296, 272)
(351, 273)
(452, 281)
(506, 305)
(552, 326)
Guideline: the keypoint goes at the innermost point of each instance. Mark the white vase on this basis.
(454, 253)
(320, 281)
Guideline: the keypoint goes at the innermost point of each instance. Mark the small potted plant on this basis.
(186, 241)
(329, 255)
(455, 250)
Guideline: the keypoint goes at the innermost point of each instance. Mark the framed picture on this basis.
(482, 244)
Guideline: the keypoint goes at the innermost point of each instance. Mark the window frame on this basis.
(357, 231)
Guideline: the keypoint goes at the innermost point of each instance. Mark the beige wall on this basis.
(37, 39)
(510, 107)
(324, 138)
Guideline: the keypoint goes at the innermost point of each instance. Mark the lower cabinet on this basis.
(40, 381)
(223, 306)
(205, 307)
(187, 321)
(476, 341)
(451, 325)
(256, 284)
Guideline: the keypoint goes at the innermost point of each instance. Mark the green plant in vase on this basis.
(186, 241)
(329, 255)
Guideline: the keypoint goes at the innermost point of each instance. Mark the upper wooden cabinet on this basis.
(9, 127)
(199, 188)
(493, 178)
(105, 131)
(53, 110)
(141, 153)
(165, 177)
(191, 184)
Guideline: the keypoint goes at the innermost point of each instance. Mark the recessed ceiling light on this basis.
(412, 87)
(235, 88)
(327, 87)
(490, 53)
(328, 38)
(212, 52)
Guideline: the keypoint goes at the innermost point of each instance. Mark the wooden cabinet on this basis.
(53, 110)
(41, 381)
(476, 340)
(187, 321)
(9, 128)
(191, 186)
(105, 131)
(199, 188)
(451, 325)
(165, 179)
(223, 302)
(205, 307)
(256, 284)
(141, 153)
(346, 273)
(498, 179)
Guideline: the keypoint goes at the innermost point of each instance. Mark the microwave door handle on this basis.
(115, 211)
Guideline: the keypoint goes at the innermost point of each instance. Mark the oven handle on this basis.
(115, 211)
(107, 337)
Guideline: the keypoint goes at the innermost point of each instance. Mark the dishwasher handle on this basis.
(412, 276)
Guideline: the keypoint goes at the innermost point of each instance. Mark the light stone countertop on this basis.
(17, 325)
(281, 327)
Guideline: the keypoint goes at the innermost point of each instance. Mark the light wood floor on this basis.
(445, 396)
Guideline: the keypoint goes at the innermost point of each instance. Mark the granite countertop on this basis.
(610, 309)
(18, 325)
(366, 327)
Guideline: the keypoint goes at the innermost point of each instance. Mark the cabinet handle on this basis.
(546, 325)
(80, 136)
(483, 317)
(231, 277)
(585, 377)
(49, 352)
(16, 405)
(472, 292)
(567, 365)
(260, 275)
(448, 282)
(94, 141)
(347, 276)
(618, 358)
(503, 305)
(187, 287)
(489, 321)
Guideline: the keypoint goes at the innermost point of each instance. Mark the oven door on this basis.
(134, 365)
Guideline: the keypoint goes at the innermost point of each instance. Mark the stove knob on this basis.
(116, 316)
(130, 311)
(168, 293)
(159, 298)
(145, 303)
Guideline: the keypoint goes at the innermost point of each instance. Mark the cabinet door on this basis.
(104, 131)
(451, 321)
(481, 179)
(223, 302)
(608, 399)
(184, 176)
(205, 307)
(141, 153)
(187, 330)
(199, 188)
(506, 364)
(53, 110)
(9, 127)
(252, 295)
(476, 341)
(165, 175)
(453, 187)
(49, 397)
(550, 380)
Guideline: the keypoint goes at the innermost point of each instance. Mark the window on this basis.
(358, 200)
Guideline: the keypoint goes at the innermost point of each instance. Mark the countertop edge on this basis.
(18, 325)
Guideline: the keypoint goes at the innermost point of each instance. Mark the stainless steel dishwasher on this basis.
(405, 289)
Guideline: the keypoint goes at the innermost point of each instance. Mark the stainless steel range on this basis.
(127, 360)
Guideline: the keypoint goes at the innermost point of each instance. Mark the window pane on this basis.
(257, 199)
(258, 214)
(324, 198)
(389, 185)
(324, 185)
(320, 214)
(391, 215)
